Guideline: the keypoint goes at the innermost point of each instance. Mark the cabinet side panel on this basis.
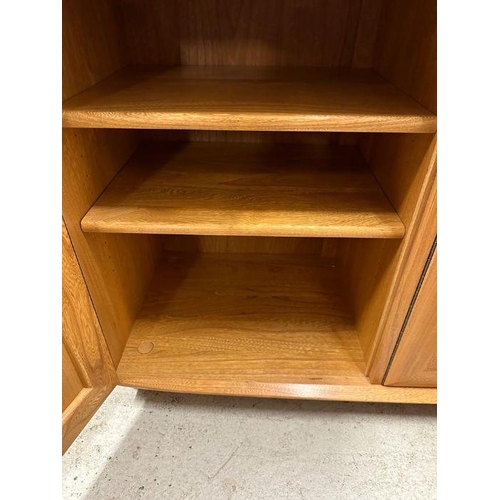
(93, 44)
(117, 267)
(411, 261)
(381, 276)
(406, 50)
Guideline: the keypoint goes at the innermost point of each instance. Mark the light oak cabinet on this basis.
(248, 199)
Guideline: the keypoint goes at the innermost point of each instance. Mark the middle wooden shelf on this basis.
(250, 189)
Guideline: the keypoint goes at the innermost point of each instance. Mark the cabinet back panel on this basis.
(326, 33)
(252, 137)
(249, 244)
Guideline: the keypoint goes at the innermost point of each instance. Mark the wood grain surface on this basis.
(364, 392)
(117, 268)
(415, 360)
(247, 244)
(409, 262)
(76, 416)
(247, 98)
(405, 167)
(406, 49)
(326, 33)
(93, 47)
(88, 371)
(380, 276)
(81, 330)
(245, 189)
(236, 70)
(275, 326)
(71, 381)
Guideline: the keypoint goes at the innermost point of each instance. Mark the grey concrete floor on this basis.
(151, 445)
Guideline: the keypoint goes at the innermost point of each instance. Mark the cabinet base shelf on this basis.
(363, 393)
(250, 325)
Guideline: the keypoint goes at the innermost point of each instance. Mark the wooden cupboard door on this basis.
(88, 373)
(415, 360)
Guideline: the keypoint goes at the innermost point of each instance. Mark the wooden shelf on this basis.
(245, 189)
(253, 325)
(247, 98)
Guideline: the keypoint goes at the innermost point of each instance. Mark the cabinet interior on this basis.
(242, 181)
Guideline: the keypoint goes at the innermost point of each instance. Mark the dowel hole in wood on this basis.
(145, 347)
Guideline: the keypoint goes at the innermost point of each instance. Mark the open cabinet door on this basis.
(88, 373)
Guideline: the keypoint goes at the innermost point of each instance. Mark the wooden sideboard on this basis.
(249, 200)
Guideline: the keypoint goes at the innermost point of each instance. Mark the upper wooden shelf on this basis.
(245, 189)
(247, 98)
